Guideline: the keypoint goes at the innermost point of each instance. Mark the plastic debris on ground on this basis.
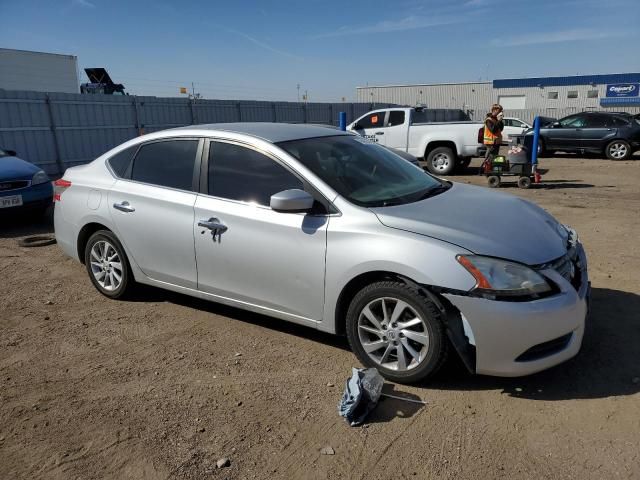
(361, 394)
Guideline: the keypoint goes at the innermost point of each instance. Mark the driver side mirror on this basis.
(357, 126)
(11, 153)
(556, 125)
(291, 201)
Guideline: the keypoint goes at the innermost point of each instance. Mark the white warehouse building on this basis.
(524, 97)
(38, 71)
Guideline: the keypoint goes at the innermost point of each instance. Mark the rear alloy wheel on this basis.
(107, 264)
(618, 150)
(441, 161)
(393, 328)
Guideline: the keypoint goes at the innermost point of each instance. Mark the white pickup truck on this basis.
(444, 146)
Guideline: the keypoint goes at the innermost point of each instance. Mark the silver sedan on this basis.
(325, 229)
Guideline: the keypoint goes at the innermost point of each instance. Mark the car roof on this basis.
(271, 132)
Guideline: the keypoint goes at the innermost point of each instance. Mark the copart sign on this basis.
(623, 90)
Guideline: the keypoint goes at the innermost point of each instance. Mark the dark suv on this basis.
(616, 135)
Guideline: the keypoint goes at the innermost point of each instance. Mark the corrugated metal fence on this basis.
(60, 130)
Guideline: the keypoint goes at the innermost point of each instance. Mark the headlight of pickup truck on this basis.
(495, 277)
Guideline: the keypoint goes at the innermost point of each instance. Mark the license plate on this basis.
(12, 201)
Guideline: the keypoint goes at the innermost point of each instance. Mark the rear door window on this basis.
(240, 173)
(598, 121)
(167, 163)
(396, 117)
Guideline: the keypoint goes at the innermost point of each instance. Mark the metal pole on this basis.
(534, 148)
(192, 106)
(56, 144)
(343, 120)
(136, 106)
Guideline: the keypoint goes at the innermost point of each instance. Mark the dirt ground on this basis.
(165, 385)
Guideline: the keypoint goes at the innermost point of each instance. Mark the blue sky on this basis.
(262, 49)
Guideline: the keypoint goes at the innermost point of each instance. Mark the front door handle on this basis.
(379, 133)
(124, 207)
(213, 224)
(216, 226)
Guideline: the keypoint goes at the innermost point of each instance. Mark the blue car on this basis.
(24, 188)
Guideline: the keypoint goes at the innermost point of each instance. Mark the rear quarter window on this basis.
(120, 162)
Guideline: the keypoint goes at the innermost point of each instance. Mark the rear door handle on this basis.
(124, 207)
(379, 133)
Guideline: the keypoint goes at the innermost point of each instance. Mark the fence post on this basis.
(332, 119)
(343, 120)
(275, 112)
(136, 106)
(239, 107)
(56, 144)
(193, 112)
(304, 113)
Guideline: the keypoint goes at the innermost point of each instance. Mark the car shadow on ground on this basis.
(607, 365)
(17, 225)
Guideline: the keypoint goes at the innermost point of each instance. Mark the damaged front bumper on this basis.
(520, 338)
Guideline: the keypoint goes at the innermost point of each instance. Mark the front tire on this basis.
(618, 150)
(107, 265)
(392, 327)
(441, 161)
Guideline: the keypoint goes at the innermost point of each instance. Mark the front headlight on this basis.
(40, 177)
(497, 277)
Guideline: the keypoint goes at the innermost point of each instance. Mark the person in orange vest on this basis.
(493, 126)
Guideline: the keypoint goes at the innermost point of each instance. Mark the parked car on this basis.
(329, 230)
(24, 187)
(615, 135)
(513, 126)
(445, 146)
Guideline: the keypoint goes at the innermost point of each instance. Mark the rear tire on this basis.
(441, 161)
(107, 265)
(618, 150)
(392, 327)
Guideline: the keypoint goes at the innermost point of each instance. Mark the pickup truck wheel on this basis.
(441, 161)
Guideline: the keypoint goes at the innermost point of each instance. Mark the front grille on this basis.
(545, 349)
(569, 266)
(14, 185)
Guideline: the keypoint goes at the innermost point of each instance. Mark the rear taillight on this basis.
(59, 186)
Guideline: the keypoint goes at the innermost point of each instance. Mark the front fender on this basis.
(364, 245)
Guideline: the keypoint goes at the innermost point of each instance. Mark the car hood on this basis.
(14, 168)
(484, 222)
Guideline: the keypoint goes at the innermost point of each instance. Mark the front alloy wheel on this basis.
(393, 334)
(397, 330)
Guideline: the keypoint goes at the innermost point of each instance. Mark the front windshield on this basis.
(361, 171)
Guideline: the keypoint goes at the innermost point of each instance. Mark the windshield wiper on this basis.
(433, 191)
